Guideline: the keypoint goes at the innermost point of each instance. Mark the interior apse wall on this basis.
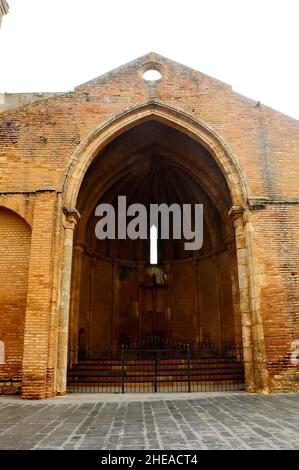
(116, 305)
(96, 302)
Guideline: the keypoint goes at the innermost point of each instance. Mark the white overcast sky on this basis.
(253, 45)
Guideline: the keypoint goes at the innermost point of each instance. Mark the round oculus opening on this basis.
(152, 75)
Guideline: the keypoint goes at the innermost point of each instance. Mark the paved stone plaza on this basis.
(196, 421)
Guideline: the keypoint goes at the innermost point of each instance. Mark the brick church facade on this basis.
(184, 138)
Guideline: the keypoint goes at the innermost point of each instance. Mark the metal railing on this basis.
(187, 368)
(158, 343)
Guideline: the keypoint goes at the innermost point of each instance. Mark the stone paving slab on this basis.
(158, 421)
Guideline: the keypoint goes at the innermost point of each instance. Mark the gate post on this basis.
(188, 368)
(122, 369)
(156, 374)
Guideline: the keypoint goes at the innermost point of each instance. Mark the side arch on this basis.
(18, 208)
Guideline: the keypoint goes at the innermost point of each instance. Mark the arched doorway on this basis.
(190, 297)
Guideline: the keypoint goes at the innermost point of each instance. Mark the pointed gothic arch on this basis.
(82, 159)
(185, 123)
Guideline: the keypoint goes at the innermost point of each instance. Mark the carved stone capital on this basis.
(71, 217)
(235, 212)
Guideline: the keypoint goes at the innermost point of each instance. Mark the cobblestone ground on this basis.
(207, 421)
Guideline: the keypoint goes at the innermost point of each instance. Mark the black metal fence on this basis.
(188, 368)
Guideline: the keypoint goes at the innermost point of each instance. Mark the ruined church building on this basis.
(69, 301)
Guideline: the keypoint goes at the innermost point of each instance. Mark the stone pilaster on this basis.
(75, 302)
(235, 293)
(115, 289)
(71, 217)
(197, 302)
(168, 269)
(259, 349)
(254, 355)
(236, 214)
(219, 298)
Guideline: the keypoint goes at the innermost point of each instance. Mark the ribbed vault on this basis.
(153, 163)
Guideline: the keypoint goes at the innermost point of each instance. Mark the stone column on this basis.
(170, 298)
(198, 302)
(75, 303)
(254, 282)
(235, 292)
(114, 316)
(90, 344)
(236, 214)
(140, 267)
(71, 216)
(219, 298)
(168, 269)
(255, 361)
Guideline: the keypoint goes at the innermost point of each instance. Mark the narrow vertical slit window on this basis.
(154, 245)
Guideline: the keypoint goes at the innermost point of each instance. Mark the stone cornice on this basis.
(28, 193)
(256, 203)
(260, 203)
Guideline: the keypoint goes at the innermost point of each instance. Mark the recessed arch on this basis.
(16, 209)
(151, 160)
(83, 158)
(136, 167)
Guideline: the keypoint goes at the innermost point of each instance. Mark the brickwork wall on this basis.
(277, 249)
(41, 136)
(37, 144)
(14, 261)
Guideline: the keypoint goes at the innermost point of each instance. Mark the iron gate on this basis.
(184, 368)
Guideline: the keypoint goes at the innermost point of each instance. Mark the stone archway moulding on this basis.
(194, 128)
